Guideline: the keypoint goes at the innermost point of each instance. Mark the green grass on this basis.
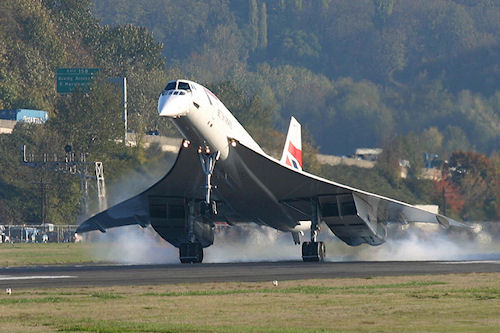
(437, 303)
(104, 295)
(296, 290)
(474, 293)
(15, 300)
(90, 325)
(26, 254)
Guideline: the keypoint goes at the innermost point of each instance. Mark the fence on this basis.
(44, 233)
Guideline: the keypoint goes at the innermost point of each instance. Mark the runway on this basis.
(108, 275)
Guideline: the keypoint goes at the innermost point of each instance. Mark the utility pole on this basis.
(125, 113)
(444, 201)
(43, 199)
(122, 81)
(101, 186)
(69, 165)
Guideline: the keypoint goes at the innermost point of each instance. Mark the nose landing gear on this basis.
(208, 160)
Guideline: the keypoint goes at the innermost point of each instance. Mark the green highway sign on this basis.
(70, 78)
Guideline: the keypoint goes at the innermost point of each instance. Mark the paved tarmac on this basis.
(108, 275)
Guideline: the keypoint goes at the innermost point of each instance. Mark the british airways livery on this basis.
(222, 175)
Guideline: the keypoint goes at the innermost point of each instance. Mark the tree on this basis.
(256, 118)
(383, 10)
(253, 24)
(263, 26)
(495, 159)
(389, 54)
(455, 139)
(432, 140)
(474, 174)
(449, 197)
(90, 122)
(123, 48)
(362, 118)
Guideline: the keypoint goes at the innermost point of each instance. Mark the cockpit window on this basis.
(183, 86)
(171, 85)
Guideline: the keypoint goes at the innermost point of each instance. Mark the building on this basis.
(367, 154)
(25, 115)
(7, 126)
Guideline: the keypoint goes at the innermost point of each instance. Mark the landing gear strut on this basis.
(208, 207)
(208, 160)
(314, 250)
(192, 250)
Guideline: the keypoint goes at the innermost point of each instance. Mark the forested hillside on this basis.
(355, 72)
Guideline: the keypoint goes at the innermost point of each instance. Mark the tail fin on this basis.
(292, 152)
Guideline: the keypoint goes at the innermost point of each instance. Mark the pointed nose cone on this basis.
(173, 105)
(162, 106)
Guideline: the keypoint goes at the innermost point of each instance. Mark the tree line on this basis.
(353, 72)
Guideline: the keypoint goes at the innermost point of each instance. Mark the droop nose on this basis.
(173, 105)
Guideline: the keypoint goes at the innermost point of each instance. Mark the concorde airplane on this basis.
(222, 175)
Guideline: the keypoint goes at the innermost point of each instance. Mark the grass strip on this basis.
(105, 326)
(295, 290)
(474, 293)
(104, 295)
(33, 300)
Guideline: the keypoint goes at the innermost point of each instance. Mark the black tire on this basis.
(313, 251)
(321, 251)
(190, 253)
(309, 252)
(199, 256)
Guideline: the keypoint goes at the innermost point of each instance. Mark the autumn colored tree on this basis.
(475, 176)
(449, 197)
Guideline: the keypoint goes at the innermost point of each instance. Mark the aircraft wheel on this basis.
(190, 253)
(313, 251)
(321, 251)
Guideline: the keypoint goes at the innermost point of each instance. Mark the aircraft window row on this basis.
(175, 92)
(183, 86)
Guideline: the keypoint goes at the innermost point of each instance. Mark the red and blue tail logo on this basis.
(292, 152)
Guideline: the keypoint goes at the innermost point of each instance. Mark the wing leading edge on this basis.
(180, 181)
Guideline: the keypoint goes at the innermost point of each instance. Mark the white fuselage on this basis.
(202, 118)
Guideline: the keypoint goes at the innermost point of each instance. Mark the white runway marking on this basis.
(471, 262)
(34, 277)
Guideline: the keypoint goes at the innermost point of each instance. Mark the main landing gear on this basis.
(192, 251)
(314, 250)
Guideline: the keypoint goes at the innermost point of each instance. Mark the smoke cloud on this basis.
(424, 242)
(252, 243)
(132, 245)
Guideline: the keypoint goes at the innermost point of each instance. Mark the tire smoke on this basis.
(253, 243)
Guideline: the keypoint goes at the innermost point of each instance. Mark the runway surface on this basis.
(107, 275)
